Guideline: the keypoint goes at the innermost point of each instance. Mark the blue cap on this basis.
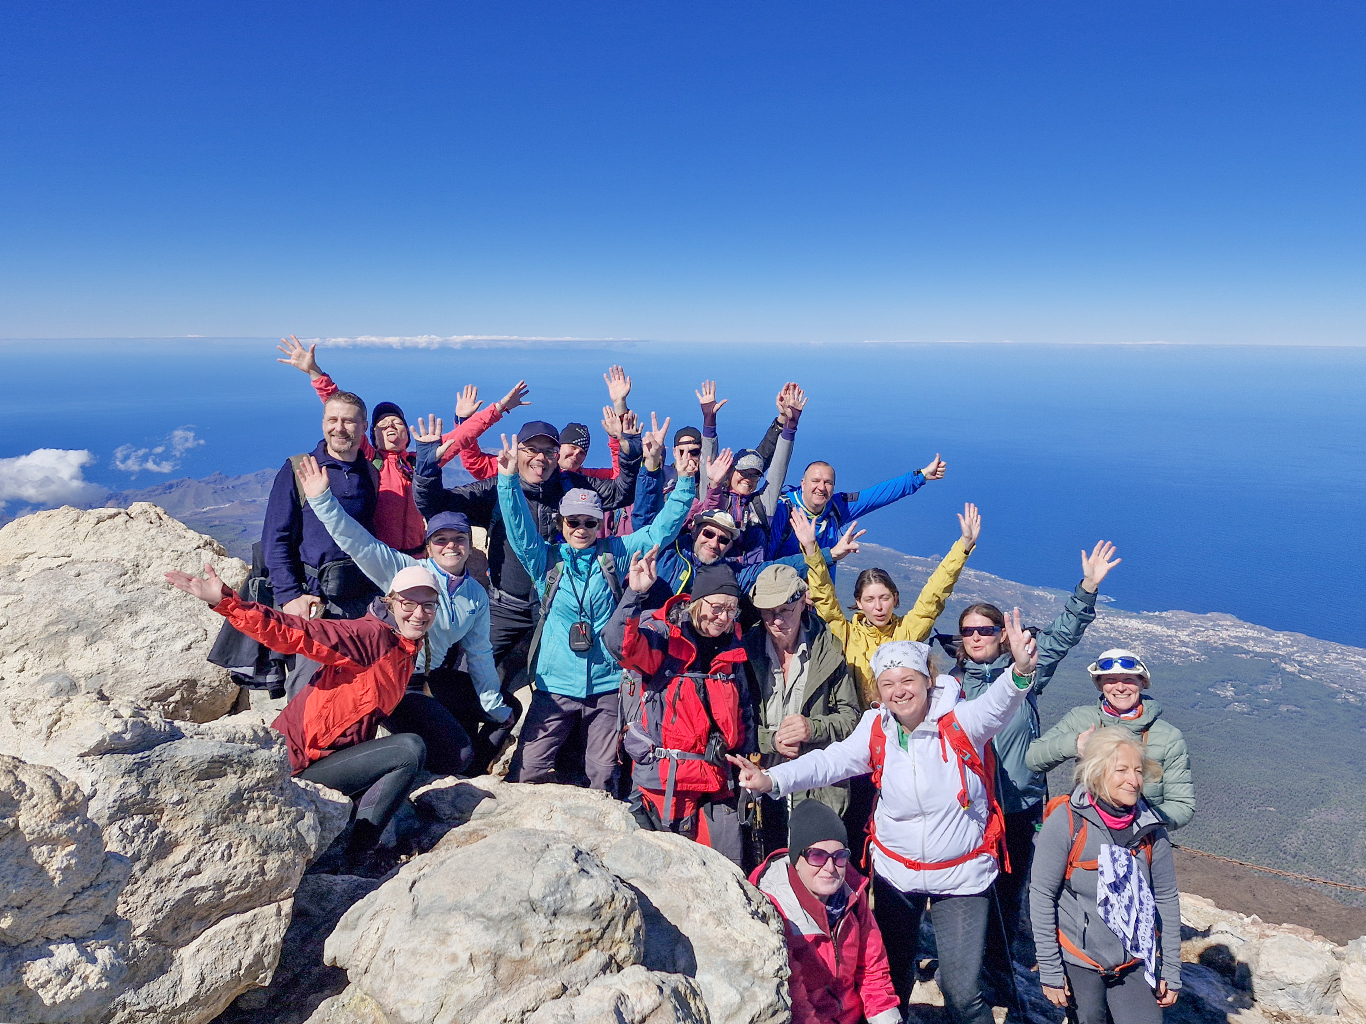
(537, 428)
(457, 521)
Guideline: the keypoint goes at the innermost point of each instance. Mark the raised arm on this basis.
(468, 428)
(919, 621)
(640, 650)
(1065, 632)
(479, 657)
(986, 715)
(662, 531)
(706, 398)
(377, 560)
(870, 499)
(820, 587)
(526, 540)
(324, 387)
(782, 452)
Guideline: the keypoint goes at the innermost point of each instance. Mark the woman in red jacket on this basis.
(839, 965)
(329, 726)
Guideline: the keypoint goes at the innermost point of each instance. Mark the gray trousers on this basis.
(1130, 1000)
(549, 722)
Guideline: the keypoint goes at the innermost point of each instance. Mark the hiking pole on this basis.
(1017, 1006)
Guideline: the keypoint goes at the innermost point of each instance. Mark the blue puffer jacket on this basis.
(559, 669)
(1018, 788)
(842, 510)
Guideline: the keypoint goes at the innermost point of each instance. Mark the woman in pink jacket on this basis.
(839, 965)
(397, 520)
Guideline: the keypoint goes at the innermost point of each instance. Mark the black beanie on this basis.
(812, 822)
(712, 580)
(380, 411)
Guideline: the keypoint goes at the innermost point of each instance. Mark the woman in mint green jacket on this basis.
(1121, 677)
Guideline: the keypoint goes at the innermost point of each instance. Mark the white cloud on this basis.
(48, 476)
(131, 459)
(454, 341)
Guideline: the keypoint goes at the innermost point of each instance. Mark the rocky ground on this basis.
(158, 863)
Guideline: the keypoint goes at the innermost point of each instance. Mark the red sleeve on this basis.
(327, 641)
(873, 978)
(467, 435)
(479, 464)
(637, 652)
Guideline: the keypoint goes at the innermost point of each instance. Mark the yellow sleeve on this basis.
(918, 622)
(822, 591)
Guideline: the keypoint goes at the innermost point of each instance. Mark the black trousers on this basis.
(448, 745)
(1128, 1000)
(379, 772)
(1012, 889)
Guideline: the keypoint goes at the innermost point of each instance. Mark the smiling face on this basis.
(977, 647)
(906, 693)
(580, 530)
(343, 428)
(391, 434)
(414, 611)
(538, 459)
(449, 549)
(710, 544)
(824, 881)
(877, 604)
(818, 486)
(1122, 691)
(1124, 776)
(714, 614)
(572, 457)
(745, 482)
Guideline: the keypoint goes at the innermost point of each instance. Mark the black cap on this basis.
(687, 434)
(575, 434)
(537, 428)
(712, 580)
(382, 410)
(812, 822)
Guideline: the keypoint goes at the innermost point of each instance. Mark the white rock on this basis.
(488, 932)
(1293, 975)
(635, 996)
(84, 608)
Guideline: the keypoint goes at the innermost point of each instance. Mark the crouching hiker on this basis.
(329, 727)
(685, 703)
(1102, 895)
(834, 946)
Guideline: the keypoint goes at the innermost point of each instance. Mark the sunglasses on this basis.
(981, 630)
(687, 451)
(709, 533)
(817, 857)
(581, 523)
(1128, 664)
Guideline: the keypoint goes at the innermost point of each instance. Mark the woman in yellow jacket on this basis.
(875, 597)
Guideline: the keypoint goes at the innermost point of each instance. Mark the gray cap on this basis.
(747, 460)
(581, 501)
(776, 586)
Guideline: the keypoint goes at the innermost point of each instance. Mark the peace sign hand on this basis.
(750, 775)
(706, 398)
(507, 458)
(847, 544)
(652, 442)
(1098, 566)
(299, 357)
(1022, 645)
(644, 570)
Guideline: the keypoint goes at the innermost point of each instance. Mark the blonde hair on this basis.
(694, 609)
(1101, 748)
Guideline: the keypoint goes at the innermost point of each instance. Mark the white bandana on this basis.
(901, 654)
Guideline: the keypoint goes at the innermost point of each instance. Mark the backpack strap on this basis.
(552, 585)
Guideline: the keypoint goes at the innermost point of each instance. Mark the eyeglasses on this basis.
(708, 533)
(729, 610)
(545, 453)
(411, 606)
(817, 857)
(581, 523)
(1129, 664)
(980, 630)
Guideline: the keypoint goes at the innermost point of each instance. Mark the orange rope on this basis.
(1272, 871)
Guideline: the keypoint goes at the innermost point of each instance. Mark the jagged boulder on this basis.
(634, 996)
(84, 609)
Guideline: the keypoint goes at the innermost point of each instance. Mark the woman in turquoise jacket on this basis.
(576, 677)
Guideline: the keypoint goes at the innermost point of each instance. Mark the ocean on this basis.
(1232, 479)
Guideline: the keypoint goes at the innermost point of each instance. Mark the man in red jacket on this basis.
(839, 965)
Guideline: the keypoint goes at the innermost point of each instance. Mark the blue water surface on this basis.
(1231, 478)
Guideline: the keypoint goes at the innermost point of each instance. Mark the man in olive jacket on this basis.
(804, 693)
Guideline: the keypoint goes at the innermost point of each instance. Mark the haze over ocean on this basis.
(1232, 479)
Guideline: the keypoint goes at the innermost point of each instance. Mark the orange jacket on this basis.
(366, 665)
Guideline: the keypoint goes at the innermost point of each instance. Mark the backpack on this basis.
(1074, 861)
(607, 562)
(951, 738)
(678, 725)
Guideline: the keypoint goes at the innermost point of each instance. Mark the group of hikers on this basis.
(678, 629)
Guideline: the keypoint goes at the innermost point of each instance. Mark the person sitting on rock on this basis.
(397, 520)
(687, 704)
(576, 677)
(1102, 895)
(330, 726)
(1121, 677)
(805, 696)
(473, 695)
(834, 946)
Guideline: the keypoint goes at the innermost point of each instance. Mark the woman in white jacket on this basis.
(936, 832)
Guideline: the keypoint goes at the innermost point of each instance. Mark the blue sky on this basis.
(1074, 172)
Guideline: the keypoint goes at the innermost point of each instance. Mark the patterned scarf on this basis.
(1126, 905)
(1134, 712)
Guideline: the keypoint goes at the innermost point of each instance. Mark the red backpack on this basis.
(679, 724)
(951, 738)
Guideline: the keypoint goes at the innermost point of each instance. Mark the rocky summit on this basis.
(159, 864)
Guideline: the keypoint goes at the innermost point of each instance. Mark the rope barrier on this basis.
(1271, 871)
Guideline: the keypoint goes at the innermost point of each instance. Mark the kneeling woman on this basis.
(691, 706)
(329, 726)
(937, 830)
(1120, 950)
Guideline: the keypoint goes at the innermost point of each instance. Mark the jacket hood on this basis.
(778, 880)
(681, 635)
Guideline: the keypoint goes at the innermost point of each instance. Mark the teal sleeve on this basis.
(1062, 634)
(526, 540)
(376, 559)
